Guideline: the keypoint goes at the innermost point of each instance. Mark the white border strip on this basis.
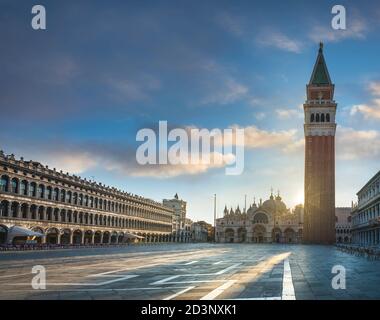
(287, 283)
(216, 292)
(165, 280)
(227, 269)
(179, 293)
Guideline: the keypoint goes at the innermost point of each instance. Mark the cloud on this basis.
(218, 160)
(229, 91)
(356, 29)
(79, 158)
(73, 163)
(260, 115)
(288, 113)
(296, 146)
(231, 24)
(374, 88)
(357, 144)
(119, 158)
(137, 89)
(371, 110)
(254, 101)
(279, 41)
(255, 138)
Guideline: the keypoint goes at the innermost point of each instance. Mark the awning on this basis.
(131, 235)
(17, 231)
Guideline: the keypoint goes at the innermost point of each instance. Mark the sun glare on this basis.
(299, 198)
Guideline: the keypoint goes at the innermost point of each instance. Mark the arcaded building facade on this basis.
(180, 224)
(320, 109)
(343, 224)
(69, 210)
(266, 222)
(366, 214)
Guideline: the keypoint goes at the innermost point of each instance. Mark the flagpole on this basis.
(215, 217)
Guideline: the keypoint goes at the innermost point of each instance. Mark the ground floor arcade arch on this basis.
(52, 236)
(65, 236)
(3, 234)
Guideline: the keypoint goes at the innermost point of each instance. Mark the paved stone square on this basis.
(190, 271)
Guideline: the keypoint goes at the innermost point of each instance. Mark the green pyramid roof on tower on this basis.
(320, 75)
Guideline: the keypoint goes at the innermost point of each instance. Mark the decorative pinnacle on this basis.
(321, 46)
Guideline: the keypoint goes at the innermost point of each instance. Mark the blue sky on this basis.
(74, 96)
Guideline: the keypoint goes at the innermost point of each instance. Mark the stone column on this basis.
(28, 212)
(18, 211)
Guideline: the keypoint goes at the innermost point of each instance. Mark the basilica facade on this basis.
(266, 222)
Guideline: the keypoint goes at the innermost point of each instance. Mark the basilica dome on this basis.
(274, 205)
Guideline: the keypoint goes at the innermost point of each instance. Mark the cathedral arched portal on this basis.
(229, 235)
(258, 234)
(242, 235)
(276, 235)
(290, 236)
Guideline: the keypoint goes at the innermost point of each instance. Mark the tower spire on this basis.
(320, 75)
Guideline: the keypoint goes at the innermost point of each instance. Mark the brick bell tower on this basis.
(320, 127)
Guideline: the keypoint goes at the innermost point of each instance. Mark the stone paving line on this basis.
(202, 271)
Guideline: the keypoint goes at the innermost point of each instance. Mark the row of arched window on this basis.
(364, 216)
(343, 231)
(320, 117)
(41, 213)
(40, 191)
(372, 191)
(258, 218)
